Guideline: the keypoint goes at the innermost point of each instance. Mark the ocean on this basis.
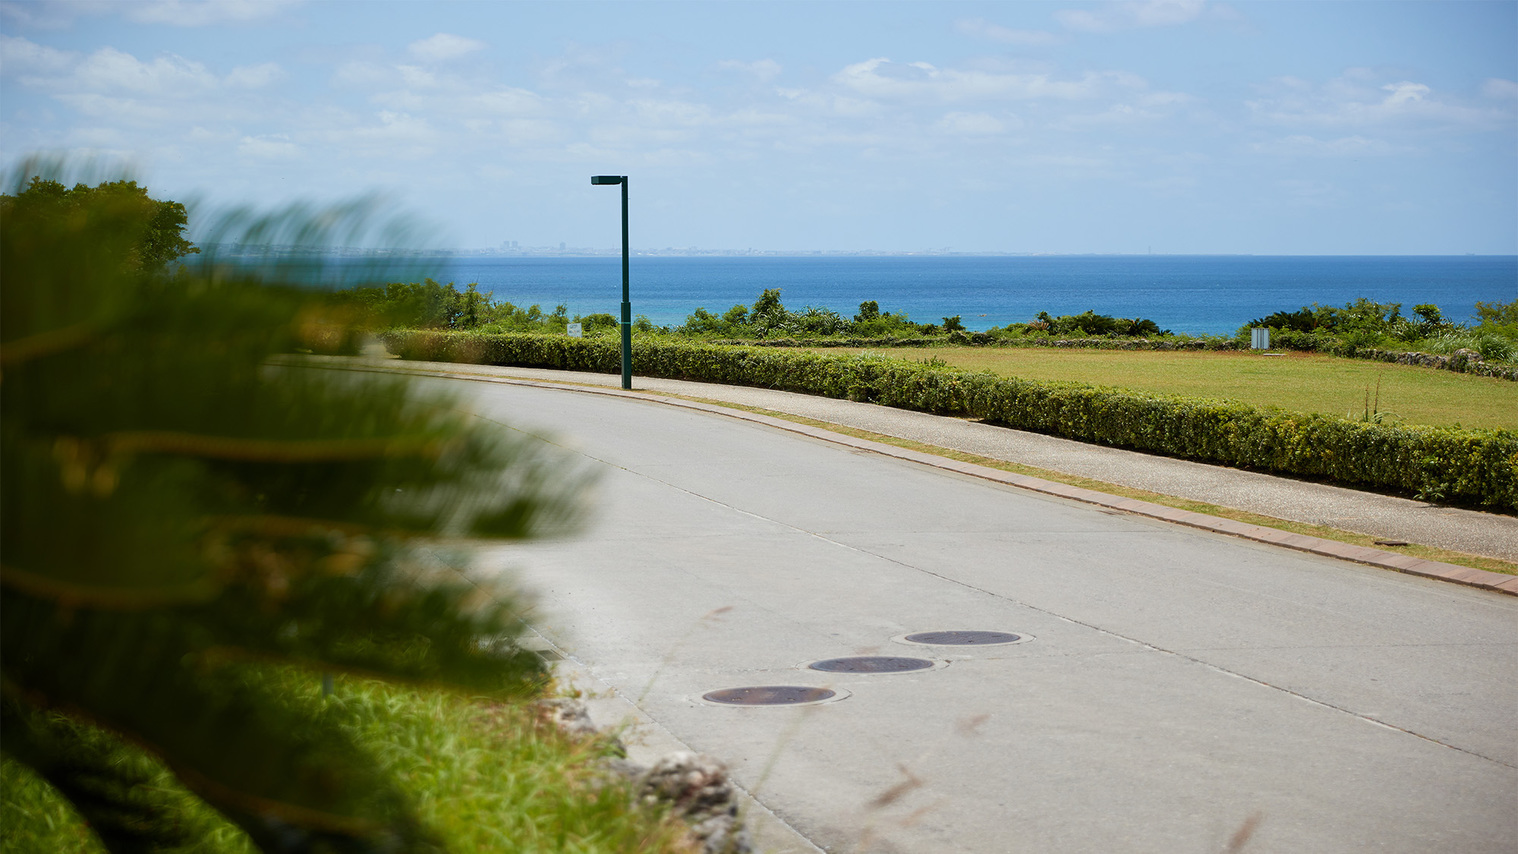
(1194, 294)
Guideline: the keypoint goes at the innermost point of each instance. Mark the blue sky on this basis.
(1176, 127)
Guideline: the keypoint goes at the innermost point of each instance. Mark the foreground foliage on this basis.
(482, 776)
(171, 510)
(1478, 467)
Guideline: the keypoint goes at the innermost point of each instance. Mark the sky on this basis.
(1165, 126)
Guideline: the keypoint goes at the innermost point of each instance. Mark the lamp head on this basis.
(606, 179)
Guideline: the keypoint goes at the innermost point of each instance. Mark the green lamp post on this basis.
(627, 347)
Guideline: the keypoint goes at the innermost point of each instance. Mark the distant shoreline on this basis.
(238, 250)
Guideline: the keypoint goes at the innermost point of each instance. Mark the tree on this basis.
(1498, 313)
(147, 233)
(768, 309)
(176, 519)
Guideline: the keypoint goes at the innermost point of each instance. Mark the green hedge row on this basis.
(1476, 467)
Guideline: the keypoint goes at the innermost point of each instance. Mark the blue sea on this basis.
(1195, 294)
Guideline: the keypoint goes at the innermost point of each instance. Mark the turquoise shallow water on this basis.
(1185, 293)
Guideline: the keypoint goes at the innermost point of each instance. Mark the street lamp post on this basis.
(627, 347)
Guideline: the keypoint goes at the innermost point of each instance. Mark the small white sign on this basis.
(574, 330)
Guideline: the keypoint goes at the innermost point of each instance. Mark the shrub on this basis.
(1489, 345)
(172, 511)
(1478, 467)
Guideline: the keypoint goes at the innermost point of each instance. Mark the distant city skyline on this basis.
(1172, 126)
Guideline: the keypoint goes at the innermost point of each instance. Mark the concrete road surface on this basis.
(1175, 690)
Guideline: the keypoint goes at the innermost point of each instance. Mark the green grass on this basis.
(1302, 382)
(483, 776)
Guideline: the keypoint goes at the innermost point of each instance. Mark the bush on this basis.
(1089, 323)
(1477, 467)
(1489, 345)
(173, 511)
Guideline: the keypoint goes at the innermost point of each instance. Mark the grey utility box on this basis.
(1259, 338)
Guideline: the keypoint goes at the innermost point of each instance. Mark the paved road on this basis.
(1177, 684)
(1384, 516)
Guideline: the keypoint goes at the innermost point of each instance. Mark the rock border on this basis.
(694, 787)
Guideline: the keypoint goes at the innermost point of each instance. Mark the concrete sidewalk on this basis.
(1381, 516)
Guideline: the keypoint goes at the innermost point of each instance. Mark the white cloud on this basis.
(202, 134)
(416, 78)
(52, 14)
(361, 73)
(273, 147)
(1302, 145)
(20, 56)
(1354, 100)
(971, 124)
(880, 78)
(108, 70)
(133, 112)
(1309, 193)
(399, 126)
(443, 47)
(202, 13)
(530, 131)
(1404, 92)
(1496, 87)
(1132, 15)
(764, 69)
(505, 101)
(981, 28)
(255, 76)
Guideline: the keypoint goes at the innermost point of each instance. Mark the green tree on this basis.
(1498, 313)
(147, 233)
(768, 309)
(176, 518)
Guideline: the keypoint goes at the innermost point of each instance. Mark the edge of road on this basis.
(1468, 576)
(647, 741)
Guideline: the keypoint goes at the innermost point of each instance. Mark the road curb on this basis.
(1464, 575)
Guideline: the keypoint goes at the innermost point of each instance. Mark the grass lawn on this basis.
(1304, 382)
(483, 777)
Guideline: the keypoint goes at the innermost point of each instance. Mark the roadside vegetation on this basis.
(1434, 435)
(193, 545)
(1433, 463)
(1301, 382)
(1361, 328)
(484, 776)
(1305, 374)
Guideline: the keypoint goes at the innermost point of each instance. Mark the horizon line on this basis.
(670, 252)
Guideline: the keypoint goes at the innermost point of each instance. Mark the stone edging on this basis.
(694, 787)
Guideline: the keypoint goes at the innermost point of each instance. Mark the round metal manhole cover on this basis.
(872, 664)
(770, 695)
(962, 638)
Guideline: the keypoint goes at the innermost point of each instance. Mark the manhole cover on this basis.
(871, 664)
(966, 638)
(769, 695)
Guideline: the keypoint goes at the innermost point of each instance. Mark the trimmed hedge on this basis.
(1476, 467)
(1311, 342)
